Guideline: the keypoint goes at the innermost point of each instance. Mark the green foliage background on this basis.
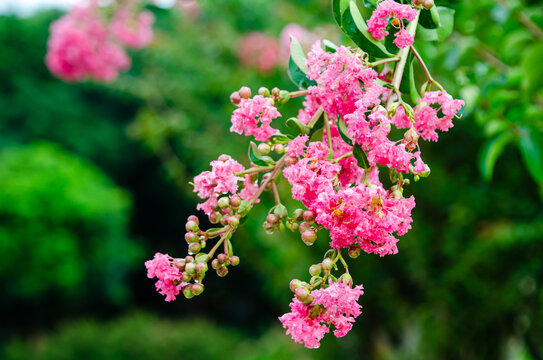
(94, 180)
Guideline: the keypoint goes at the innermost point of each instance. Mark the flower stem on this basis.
(255, 170)
(425, 68)
(275, 171)
(299, 93)
(315, 118)
(328, 133)
(384, 61)
(344, 156)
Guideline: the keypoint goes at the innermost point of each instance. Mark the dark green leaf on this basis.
(318, 125)
(440, 33)
(490, 152)
(343, 132)
(297, 68)
(355, 27)
(280, 138)
(360, 156)
(338, 8)
(531, 64)
(329, 46)
(531, 148)
(257, 158)
(295, 122)
(408, 75)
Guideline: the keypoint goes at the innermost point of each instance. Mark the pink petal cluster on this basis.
(379, 19)
(80, 47)
(134, 31)
(83, 46)
(253, 117)
(259, 50)
(221, 179)
(427, 119)
(169, 276)
(338, 304)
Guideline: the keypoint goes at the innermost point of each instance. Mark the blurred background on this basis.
(94, 179)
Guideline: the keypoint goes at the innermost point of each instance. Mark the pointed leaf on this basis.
(360, 156)
(257, 158)
(343, 131)
(338, 8)
(490, 152)
(531, 148)
(445, 29)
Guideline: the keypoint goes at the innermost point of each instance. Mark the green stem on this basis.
(425, 68)
(384, 61)
(221, 240)
(403, 54)
(299, 93)
(275, 193)
(328, 133)
(344, 156)
(255, 170)
(315, 118)
(278, 166)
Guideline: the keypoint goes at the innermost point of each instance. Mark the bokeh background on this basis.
(94, 179)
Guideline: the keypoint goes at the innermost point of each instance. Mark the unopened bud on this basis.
(191, 237)
(279, 148)
(272, 219)
(428, 4)
(295, 284)
(215, 264)
(201, 268)
(264, 92)
(235, 201)
(309, 215)
(222, 258)
(234, 260)
(347, 279)
(194, 218)
(222, 271)
(191, 226)
(411, 138)
(233, 221)
(187, 292)
(327, 264)
(275, 91)
(214, 205)
(190, 268)
(224, 220)
(354, 252)
(189, 259)
(197, 288)
(264, 148)
(298, 214)
(304, 226)
(284, 96)
(292, 226)
(314, 311)
(281, 211)
(309, 300)
(235, 98)
(224, 202)
(215, 217)
(301, 293)
(194, 247)
(245, 92)
(268, 228)
(224, 158)
(315, 270)
(309, 237)
(185, 277)
(289, 161)
(180, 263)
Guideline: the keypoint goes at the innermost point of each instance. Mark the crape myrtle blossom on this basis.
(84, 44)
(355, 128)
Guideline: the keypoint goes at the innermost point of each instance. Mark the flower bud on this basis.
(194, 218)
(222, 258)
(233, 221)
(224, 158)
(282, 227)
(235, 201)
(197, 288)
(264, 92)
(309, 216)
(222, 271)
(314, 311)
(275, 91)
(224, 220)
(354, 252)
(347, 279)
(428, 4)
(327, 264)
(284, 96)
(272, 219)
(294, 284)
(214, 205)
(315, 269)
(214, 217)
(235, 98)
(304, 226)
(194, 248)
(281, 211)
(224, 202)
(289, 161)
(201, 268)
(234, 260)
(309, 237)
(279, 148)
(180, 263)
(292, 226)
(264, 148)
(268, 228)
(245, 92)
(301, 293)
(309, 300)
(185, 277)
(189, 259)
(187, 292)
(190, 269)
(298, 214)
(215, 264)
(411, 138)
(191, 226)
(191, 237)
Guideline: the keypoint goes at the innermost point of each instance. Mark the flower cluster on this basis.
(83, 46)
(354, 125)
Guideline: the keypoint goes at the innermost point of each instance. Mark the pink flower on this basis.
(221, 179)
(403, 39)
(259, 50)
(250, 188)
(427, 120)
(296, 147)
(336, 305)
(79, 47)
(254, 112)
(169, 276)
(387, 9)
(133, 30)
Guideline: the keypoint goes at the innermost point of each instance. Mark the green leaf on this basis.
(317, 135)
(297, 68)
(329, 46)
(408, 77)
(257, 158)
(446, 18)
(338, 8)
(384, 83)
(280, 138)
(531, 64)
(318, 125)
(531, 148)
(491, 150)
(295, 122)
(355, 27)
(343, 131)
(430, 19)
(360, 156)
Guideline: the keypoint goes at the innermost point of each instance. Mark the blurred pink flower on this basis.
(304, 36)
(190, 8)
(259, 50)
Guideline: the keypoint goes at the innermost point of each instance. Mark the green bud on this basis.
(264, 148)
(233, 221)
(304, 226)
(309, 237)
(315, 270)
(234, 260)
(347, 279)
(190, 269)
(235, 201)
(191, 226)
(272, 219)
(354, 252)
(281, 211)
(194, 248)
(298, 215)
(327, 264)
(295, 284)
(222, 271)
(197, 288)
(309, 300)
(264, 92)
(215, 264)
(187, 292)
(244, 208)
(284, 96)
(224, 202)
(301, 293)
